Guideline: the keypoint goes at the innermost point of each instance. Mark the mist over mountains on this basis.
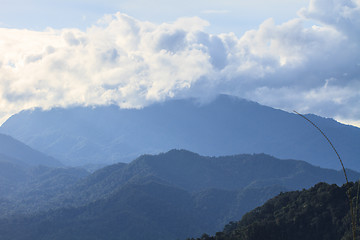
(227, 125)
(118, 131)
(162, 194)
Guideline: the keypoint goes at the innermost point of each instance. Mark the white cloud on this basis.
(133, 63)
(340, 14)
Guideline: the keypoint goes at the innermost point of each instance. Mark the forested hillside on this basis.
(173, 195)
(322, 212)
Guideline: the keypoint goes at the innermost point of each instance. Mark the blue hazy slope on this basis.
(227, 125)
(19, 152)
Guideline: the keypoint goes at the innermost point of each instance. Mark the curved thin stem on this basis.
(343, 168)
(342, 165)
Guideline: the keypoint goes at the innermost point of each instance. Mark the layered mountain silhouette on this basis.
(172, 195)
(193, 172)
(14, 151)
(27, 188)
(227, 125)
(20, 164)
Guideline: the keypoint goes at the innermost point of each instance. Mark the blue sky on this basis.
(224, 16)
(289, 54)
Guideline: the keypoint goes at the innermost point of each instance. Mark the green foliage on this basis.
(322, 212)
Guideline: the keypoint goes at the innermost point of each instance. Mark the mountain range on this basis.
(228, 125)
(172, 195)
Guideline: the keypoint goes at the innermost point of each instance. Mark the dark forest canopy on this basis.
(322, 212)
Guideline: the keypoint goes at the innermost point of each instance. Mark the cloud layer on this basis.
(132, 63)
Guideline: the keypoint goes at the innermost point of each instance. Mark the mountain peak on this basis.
(225, 126)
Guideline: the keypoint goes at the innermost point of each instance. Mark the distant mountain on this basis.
(15, 151)
(173, 195)
(228, 125)
(20, 167)
(193, 172)
(147, 210)
(28, 178)
(26, 188)
(321, 212)
(12, 174)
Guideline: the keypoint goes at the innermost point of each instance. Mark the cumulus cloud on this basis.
(340, 14)
(133, 63)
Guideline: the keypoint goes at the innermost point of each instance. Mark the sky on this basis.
(298, 55)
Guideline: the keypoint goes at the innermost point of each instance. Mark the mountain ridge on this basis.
(148, 198)
(193, 172)
(225, 126)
